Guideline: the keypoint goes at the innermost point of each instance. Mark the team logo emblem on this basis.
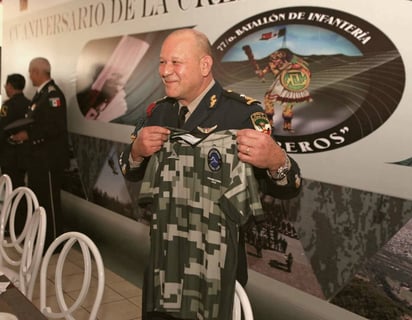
(295, 80)
(214, 159)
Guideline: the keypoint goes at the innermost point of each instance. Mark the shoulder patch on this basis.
(261, 122)
(240, 97)
(153, 105)
(55, 102)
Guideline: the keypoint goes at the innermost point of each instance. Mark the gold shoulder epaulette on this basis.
(240, 97)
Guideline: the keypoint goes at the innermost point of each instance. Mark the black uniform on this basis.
(49, 153)
(219, 110)
(13, 157)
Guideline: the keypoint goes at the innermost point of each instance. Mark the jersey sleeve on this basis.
(242, 200)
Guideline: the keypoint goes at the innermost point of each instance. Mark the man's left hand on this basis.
(259, 149)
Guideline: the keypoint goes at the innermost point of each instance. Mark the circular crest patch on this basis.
(214, 159)
(295, 80)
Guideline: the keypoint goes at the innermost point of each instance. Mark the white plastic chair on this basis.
(6, 187)
(241, 304)
(32, 252)
(66, 242)
(11, 247)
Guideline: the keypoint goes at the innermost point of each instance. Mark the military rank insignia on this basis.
(248, 100)
(207, 130)
(213, 100)
(261, 122)
(240, 97)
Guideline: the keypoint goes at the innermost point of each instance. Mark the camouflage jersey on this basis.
(200, 194)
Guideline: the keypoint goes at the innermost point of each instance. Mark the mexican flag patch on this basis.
(54, 102)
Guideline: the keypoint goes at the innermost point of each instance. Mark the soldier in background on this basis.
(13, 156)
(186, 71)
(47, 138)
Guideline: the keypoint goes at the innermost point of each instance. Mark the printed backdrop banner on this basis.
(330, 74)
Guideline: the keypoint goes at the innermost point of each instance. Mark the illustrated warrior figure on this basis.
(290, 86)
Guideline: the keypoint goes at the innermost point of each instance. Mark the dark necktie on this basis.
(182, 116)
(36, 97)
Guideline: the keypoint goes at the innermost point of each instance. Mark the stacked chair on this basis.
(23, 256)
(65, 243)
(21, 252)
(6, 187)
(241, 304)
(32, 252)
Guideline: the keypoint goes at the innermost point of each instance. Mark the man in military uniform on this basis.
(13, 156)
(47, 138)
(186, 71)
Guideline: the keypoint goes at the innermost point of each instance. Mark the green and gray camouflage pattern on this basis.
(200, 194)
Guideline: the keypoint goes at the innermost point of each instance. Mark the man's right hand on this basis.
(148, 141)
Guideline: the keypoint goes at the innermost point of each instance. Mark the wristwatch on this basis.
(282, 171)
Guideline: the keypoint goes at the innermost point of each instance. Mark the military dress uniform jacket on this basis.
(48, 136)
(222, 110)
(13, 109)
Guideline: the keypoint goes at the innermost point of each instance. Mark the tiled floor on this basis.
(121, 299)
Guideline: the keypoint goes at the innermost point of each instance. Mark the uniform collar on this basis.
(193, 105)
(40, 87)
(208, 102)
